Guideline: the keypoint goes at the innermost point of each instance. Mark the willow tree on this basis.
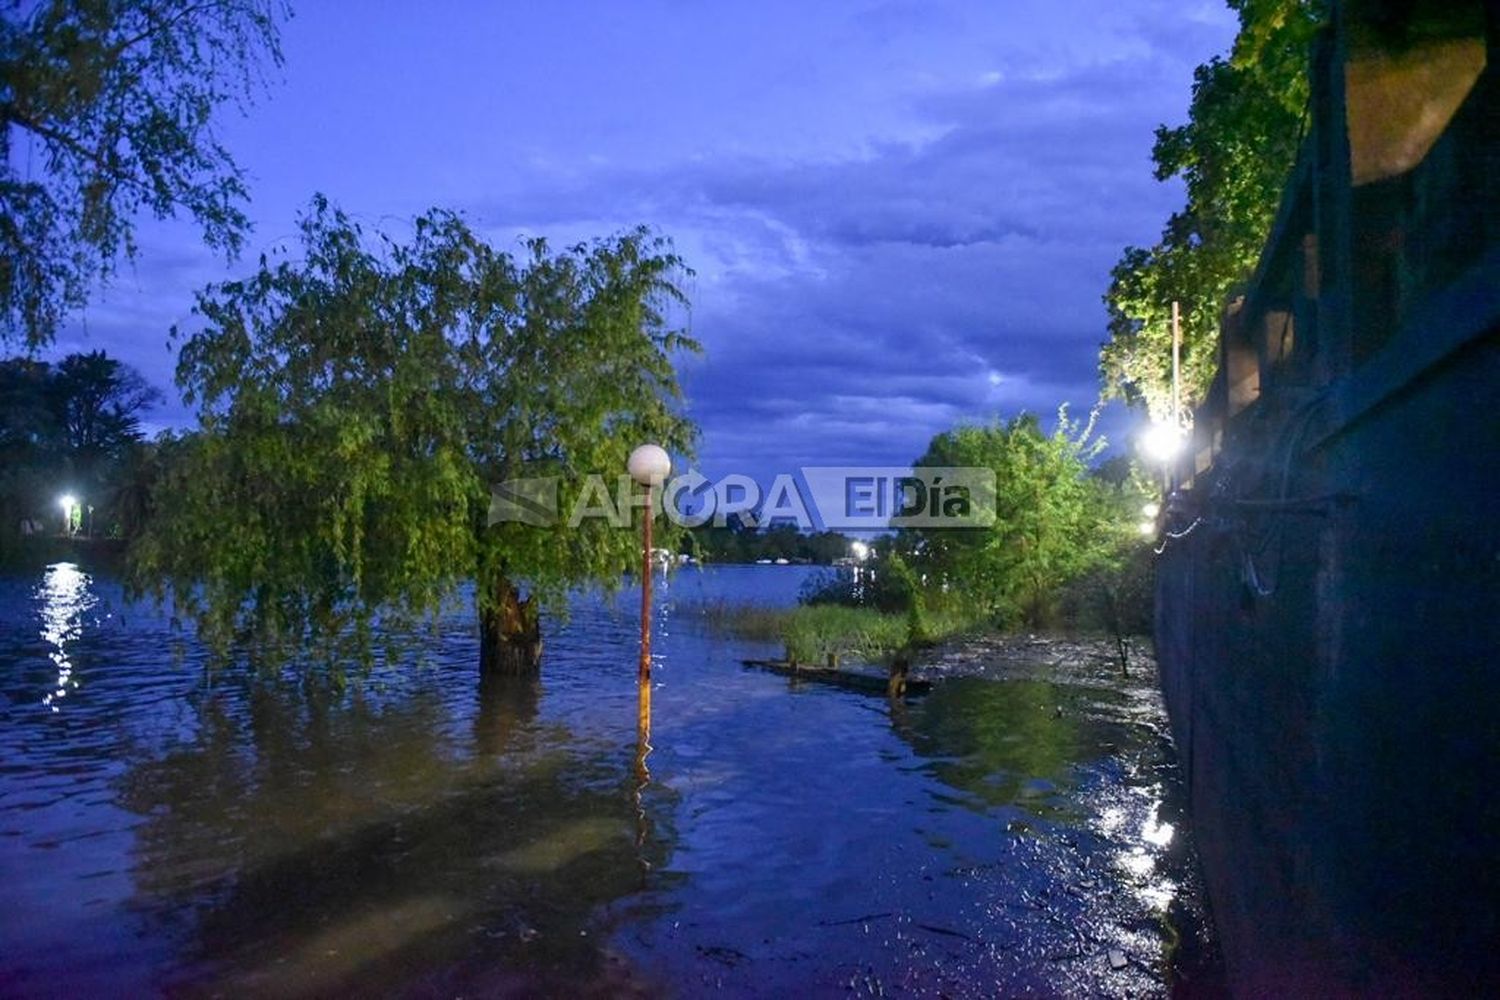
(1233, 157)
(357, 406)
(106, 111)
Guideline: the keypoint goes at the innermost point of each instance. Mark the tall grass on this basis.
(813, 633)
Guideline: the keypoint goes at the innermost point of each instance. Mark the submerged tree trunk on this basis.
(510, 635)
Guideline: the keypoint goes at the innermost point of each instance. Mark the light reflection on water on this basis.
(582, 835)
(65, 598)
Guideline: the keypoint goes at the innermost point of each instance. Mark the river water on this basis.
(162, 831)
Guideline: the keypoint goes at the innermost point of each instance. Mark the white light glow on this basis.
(1162, 441)
(66, 598)
(1151, 509)
(859, 550)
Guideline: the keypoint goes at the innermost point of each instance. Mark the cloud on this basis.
(940, 258)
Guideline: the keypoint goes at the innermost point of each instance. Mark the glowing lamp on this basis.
(649, 465)
(1162, 441)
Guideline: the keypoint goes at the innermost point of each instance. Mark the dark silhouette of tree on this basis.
(73, 426)
(98, 403)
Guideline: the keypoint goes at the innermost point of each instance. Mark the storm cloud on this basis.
(900, 215)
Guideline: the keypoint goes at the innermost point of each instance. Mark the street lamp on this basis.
(648, 465)
(859, 550)
(1162, 441)
(67, 501)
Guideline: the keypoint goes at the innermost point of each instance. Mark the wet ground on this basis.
(1015, 831)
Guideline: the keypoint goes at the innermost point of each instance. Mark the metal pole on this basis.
(646, 591)
(1176, 386)
(1176, 367)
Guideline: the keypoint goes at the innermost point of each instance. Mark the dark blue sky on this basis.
(901, 214)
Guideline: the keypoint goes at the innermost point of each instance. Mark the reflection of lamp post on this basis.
(648, 465)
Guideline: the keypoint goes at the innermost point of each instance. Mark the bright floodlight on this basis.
(67, 502)
(859, 550)
(1151, 510)
(649, 465)
(1162, 441)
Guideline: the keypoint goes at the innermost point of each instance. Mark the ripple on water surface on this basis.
(427, 832)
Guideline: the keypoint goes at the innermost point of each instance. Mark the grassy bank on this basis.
(811, 633)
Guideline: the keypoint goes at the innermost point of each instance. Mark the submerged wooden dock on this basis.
(852, 680)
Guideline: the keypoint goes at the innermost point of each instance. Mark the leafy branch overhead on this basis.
(107, 111)
(1234, 154)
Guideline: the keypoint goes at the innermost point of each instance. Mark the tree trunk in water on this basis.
(510, 635)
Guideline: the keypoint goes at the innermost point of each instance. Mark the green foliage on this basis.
(107, 110)
(811, 634)
(1234, 154)
(758, 622)
(1050, 517)
(1116, 595)
(357, 406)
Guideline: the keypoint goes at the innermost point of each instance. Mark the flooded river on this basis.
(424, 834)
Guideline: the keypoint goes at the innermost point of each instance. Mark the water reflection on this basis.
(65, 598)
(642, 771)
(431, 833)
(340, 847)
(506, 714)
(1080, 773)
(1007, 743)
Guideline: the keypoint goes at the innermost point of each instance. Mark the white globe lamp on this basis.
(649, 465)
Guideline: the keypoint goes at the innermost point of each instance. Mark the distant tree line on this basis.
(743, 541)
(71, 428)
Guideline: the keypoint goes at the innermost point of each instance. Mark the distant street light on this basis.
(648, 465)
(68, 502)
(859, 550)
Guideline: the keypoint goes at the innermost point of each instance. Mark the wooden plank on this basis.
(848, 679)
